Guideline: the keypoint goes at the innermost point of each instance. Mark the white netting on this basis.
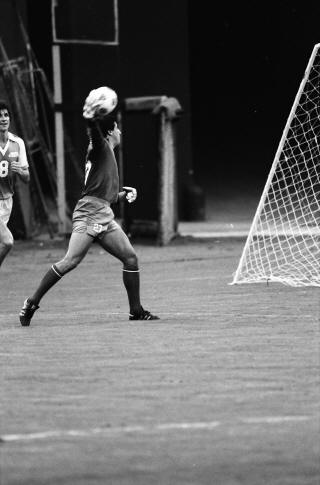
(284, 241)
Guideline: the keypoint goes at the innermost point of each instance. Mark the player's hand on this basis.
(91, 107)
(22, 172)
(16, 167)
(131, 194)
(91, 110)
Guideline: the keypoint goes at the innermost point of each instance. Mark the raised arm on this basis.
(94, 111)
(94, 133)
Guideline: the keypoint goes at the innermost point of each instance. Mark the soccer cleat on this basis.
(27, 312)
(143, 315)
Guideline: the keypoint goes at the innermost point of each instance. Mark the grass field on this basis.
(223, 390)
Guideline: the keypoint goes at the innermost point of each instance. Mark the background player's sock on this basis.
(131, 280)
(49, 279)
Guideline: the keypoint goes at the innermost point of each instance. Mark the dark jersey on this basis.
(102, 176)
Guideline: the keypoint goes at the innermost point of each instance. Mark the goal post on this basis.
(283, 244)
(166, 111)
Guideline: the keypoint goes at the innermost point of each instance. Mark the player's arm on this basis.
(94, 133)
(91, 116)
(22, 172)
(99, 103)
(20, 167)
(90, 110)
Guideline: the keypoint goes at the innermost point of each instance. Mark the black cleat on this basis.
(27, 312)
(143, 315)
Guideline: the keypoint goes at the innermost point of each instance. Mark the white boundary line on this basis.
(214, 234)
(188, 426)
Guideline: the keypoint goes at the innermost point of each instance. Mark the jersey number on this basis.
(88, 168)
(4, 168)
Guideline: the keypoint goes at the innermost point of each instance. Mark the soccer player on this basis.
(93, 218)
(13, 161)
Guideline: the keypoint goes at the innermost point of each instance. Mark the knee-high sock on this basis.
(131, 280)
(49, 279)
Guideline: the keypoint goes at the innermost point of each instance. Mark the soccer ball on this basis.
(105, 98)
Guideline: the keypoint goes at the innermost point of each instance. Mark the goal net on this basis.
(283, 243)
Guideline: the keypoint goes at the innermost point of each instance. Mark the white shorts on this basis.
(5, 209)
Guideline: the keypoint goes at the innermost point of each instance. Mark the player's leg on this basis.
(6, 238)
(78, 247)
(117, 243)
(6, 241)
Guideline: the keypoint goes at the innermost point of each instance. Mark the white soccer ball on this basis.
(106, 100)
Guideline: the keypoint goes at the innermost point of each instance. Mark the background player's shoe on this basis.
(27, 312)
(143, 315)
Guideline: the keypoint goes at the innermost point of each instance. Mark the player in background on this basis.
(93, 218)
(13, 161)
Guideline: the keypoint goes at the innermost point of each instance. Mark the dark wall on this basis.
(9, 28)
(235, 66)
(152, 59)
(247, 61)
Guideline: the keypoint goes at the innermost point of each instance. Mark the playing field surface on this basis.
(223, 390)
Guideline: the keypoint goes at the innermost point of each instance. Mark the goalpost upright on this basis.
(62, 36)
(237, 275)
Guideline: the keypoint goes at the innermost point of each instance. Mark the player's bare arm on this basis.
(22, 172)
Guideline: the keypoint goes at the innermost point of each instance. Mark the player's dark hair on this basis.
(107, 123)
(4, 105)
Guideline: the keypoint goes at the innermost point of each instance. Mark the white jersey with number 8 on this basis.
(14, 150)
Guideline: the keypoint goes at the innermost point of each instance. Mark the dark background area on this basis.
(234, 67)
(247, 60)
(152, 59)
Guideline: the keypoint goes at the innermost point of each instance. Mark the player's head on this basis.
(110, 129)
(4, 106)
(4, 115)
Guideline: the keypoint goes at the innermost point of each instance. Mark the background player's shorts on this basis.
(5, 209)
(93, 216)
